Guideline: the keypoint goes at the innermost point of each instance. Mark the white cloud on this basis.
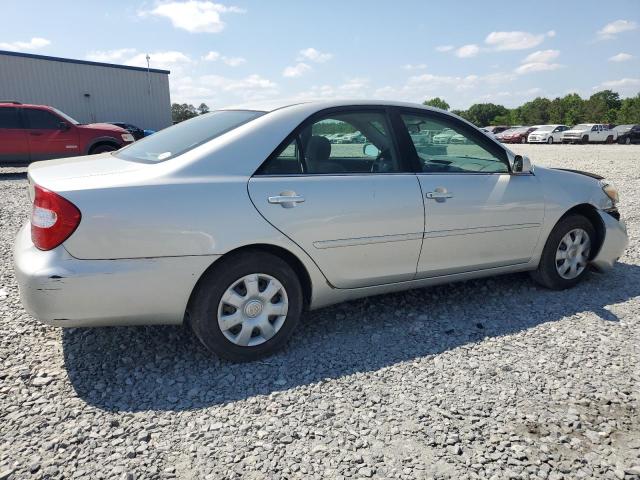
(622, 83)
(418, 66)
(296, 71)
(217, 90)
(610, 30)
(212, 56)
(467, 51)
(234, 61)
(536, 67)
(110, 55)
(194, 16)
(620, 57)
(542, 56)
(445, 48)
(313, 55)
(164, 60)
(33, 44)
(516, 40)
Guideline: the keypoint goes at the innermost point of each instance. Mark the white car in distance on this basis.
(547, 134)
(589, 133)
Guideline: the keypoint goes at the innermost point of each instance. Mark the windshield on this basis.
(545, 128)
(582, 126)
(185, 136)
(66, 117)
(520, 130)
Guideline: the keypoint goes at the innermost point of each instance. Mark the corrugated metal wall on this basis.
(114, 94)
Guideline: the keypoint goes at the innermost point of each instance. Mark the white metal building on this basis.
(88, 91)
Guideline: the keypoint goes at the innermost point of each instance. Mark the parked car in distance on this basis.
(444, 136)
(628, 134)
(500, 136)
(458, 138)
(137, 132)
(37, 132)
(496, 129)
(517, 135)
(589, 133)
(239, 220)
(547, 134)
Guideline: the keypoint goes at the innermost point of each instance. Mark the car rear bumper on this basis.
(61, 290)
(615, 242)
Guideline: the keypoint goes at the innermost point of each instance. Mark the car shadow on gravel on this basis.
(12, 176)
(165, 368)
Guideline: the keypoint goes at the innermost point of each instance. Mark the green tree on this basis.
(535, 112)
(573, 108)
(181, 112)
(203, 108)
(437, 102)
(629, 111)
(482, 114)
(602, 107)
(556, 111)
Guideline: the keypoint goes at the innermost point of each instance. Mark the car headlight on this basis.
(127, 137)
(610, 191)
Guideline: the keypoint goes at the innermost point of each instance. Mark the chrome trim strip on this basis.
(471, 231)
(352, 242)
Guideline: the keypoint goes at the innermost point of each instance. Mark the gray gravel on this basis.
(490, 379)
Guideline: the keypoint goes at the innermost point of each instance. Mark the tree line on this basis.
(605, 106)
(184, 111)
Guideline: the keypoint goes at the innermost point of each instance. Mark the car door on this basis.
(354, 206)
(14, 146)
(50, 136)
(477, 214)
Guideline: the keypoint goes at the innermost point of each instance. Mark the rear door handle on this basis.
(287, 199)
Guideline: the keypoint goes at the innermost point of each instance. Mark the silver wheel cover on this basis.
(252, 310)
(572, 254)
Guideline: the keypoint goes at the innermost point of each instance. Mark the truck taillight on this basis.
(53, 219)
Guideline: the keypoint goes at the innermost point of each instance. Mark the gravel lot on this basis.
(492, 379)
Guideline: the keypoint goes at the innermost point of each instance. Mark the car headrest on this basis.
(318, 149)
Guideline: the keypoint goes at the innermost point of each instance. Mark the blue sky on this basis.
(224, 53)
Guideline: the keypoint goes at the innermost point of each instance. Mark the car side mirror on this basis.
(370, 150)
(64, 126)
(521, 165)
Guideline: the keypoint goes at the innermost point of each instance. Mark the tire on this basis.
(550, 140)
(105, 147)
(548, 273)
(247, 340)
(627, 141)
(523, 140)
(585, 139)
(609, 140)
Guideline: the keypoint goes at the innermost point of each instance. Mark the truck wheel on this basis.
(105, 147)
(585, 139)
(609, 139)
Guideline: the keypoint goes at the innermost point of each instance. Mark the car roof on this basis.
(19, 104)
(320, 104)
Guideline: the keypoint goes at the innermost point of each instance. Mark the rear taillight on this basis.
(53, 219)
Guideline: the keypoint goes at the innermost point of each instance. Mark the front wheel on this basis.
(247, 306)
(103, 148)
(585, 139)
(550, 140)
(566, 254)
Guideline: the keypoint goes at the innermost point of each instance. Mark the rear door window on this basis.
(10, 118)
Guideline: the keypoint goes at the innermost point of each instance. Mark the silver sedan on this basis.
(239, 220)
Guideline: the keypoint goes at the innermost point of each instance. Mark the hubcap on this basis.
(572, 254)
(252, 310)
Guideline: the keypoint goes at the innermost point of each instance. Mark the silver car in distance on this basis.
(239, 220)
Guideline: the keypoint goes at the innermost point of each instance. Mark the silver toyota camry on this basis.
(239, 220)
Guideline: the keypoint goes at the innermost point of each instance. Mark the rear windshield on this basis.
(184, 136)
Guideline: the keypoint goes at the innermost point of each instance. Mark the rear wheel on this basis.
(523, 140)
(247, 306)
(627, 141)
(566, 254)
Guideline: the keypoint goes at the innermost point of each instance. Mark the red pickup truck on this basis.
(38, 132)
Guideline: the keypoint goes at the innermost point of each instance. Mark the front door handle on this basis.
(287, 199)
(439, 196)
